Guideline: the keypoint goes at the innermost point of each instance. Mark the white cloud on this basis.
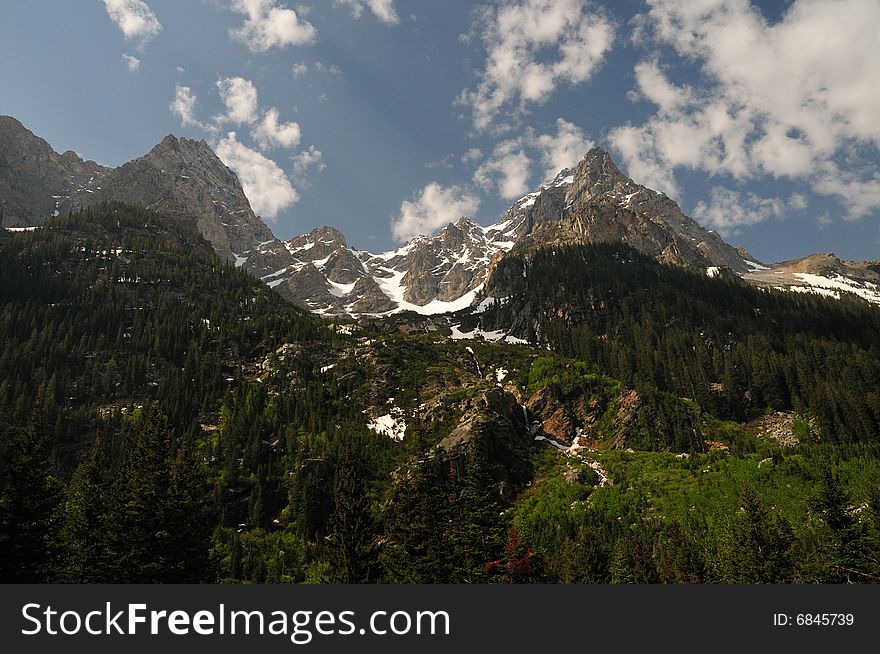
(329, 69)
(655, 87)
(472, 156)
(434, 207)
(563, 149)
(729, 210)
(133, 63)
(636, 148)
(381, 9)
(860, 194)
(269, 24)
(269, 132)
(305, 161)
(798, 202)
(135, 19)
(240, 97)
(532, 46)
(300, 69)
(509, 169)
(789, 99)
(264, 183)
(183, 105)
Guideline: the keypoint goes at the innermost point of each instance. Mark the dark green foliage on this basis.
(142, 520)
(757, 545)
(734, 349)
(351, 554)
(166, 417)
(30, 499)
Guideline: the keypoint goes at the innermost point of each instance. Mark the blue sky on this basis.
(388, 118)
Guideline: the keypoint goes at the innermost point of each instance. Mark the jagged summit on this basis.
(34, 179)
(181, 178)
(598, 173)
(592, 202)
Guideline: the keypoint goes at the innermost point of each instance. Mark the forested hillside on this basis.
(166, 417)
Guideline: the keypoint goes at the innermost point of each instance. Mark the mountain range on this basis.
(611, 400)
(593, 202)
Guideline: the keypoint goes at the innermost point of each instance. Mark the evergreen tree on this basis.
(88, 558)
(758, 545)
(30, 500)
(351, 554)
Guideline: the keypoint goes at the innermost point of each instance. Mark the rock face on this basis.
(593, 202)
(184, 180)
(596, 203)
(180, 178)
(34, 179)
(499, 421)
(426, 275)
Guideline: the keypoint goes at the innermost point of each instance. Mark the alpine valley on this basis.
(593, 389)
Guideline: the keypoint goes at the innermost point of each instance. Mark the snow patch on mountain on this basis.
(837, 284)
(391, 424)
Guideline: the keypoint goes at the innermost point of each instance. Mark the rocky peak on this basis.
(180, 178)
(185, 180)
(602, 204)
(597, 175)
(34, 179)
(318, 244)
(343, 267)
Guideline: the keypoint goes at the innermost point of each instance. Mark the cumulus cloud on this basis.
(135, 19)
(240, 97)
(264, 183)
(381, 9)
(789, 100)
(729, 210)
(860, 194)
(132, 63)
(300, 69)
(509, 168)
(329, 69)
(305, 161)
(532, 46)
(272, 133)
(269, 24)
(561, 150)
(472, 155)
(183, 105)
(432, 208)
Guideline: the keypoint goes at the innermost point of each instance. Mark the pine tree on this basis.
(88, 558)
(477, 534)
(30, 501)
(758, 545)
(351, 526)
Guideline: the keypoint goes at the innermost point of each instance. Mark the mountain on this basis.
(597, 203)
(166, 417)
(34, 179)
(181, 178)
(593, 202)
(428, 275)
(823, 274)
